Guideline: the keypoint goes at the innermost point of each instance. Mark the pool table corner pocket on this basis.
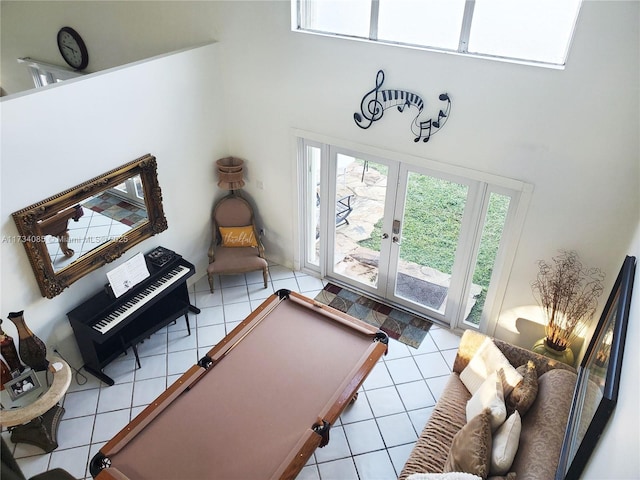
(322, 427)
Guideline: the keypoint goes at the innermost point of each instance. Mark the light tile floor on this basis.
(372, 440)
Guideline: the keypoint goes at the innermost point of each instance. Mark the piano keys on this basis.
(105, 327)
(138, 301)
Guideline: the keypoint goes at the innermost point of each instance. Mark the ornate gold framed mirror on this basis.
(79, 230)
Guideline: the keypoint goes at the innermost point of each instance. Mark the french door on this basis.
(421, 238)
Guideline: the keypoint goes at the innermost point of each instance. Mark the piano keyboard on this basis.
(140, 299)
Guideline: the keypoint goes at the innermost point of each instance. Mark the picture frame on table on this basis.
(25, 383)
(596, 392)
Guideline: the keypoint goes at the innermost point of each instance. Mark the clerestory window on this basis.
(530, 31)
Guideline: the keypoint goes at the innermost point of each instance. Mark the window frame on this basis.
(297, 7)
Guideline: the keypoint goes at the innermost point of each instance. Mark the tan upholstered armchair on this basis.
(235, 247)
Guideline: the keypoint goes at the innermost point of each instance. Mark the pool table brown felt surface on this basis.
(292, 364)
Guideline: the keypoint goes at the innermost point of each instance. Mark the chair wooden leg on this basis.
(210, 278)
(265, 275)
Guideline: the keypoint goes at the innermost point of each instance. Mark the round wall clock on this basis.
(72, 48)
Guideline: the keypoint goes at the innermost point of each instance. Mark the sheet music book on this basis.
(126, 276)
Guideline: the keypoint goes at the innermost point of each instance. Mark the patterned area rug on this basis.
(117, 209)
(404, 327)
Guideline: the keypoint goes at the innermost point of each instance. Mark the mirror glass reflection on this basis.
(596, 376)
(78, 230)
(85, 227)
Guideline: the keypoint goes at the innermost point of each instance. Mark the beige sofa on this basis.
(543, 425)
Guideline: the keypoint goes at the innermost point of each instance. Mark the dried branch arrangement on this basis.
(568, 294)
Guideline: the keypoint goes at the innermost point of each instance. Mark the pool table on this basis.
(257, 405)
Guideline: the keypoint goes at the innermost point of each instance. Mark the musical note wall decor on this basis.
(376, 101)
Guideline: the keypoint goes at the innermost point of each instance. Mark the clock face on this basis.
(72, 48)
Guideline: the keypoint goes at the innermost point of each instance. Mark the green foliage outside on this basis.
(433, 215)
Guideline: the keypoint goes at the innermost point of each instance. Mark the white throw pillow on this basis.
(488, 359)
(443, 476)
(505, 444)
(491, 396)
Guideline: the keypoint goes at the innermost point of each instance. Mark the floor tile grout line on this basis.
(386, 449)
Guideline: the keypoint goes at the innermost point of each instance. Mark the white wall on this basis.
(116, 33)
(62, 135)
(572, 133)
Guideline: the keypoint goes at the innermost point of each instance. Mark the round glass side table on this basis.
(33, 416)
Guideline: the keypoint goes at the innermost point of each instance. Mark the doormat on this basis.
(404, 327)
(421, 291)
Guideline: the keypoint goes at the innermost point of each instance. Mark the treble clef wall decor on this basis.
(376, 101)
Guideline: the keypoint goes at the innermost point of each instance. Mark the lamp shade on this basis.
(230, 173)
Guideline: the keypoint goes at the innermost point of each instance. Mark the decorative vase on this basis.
(33, 351)
(543, 348)
(6, 374)
(9, 352)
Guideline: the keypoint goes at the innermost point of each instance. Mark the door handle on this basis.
(385, 236)
(396, 240)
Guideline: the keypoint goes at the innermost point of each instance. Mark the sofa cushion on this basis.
(505, 444)
(471, 341)
(544, 425)
(488, 359)
(443, 476)
(471, 447)
(523, 395)
(490, 396)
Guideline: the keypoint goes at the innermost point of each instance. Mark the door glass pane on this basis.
(538, 30)
(361, 188)
(345, 17)
(312, 205)
(431, 224)
(489, 243)
(432, 23)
